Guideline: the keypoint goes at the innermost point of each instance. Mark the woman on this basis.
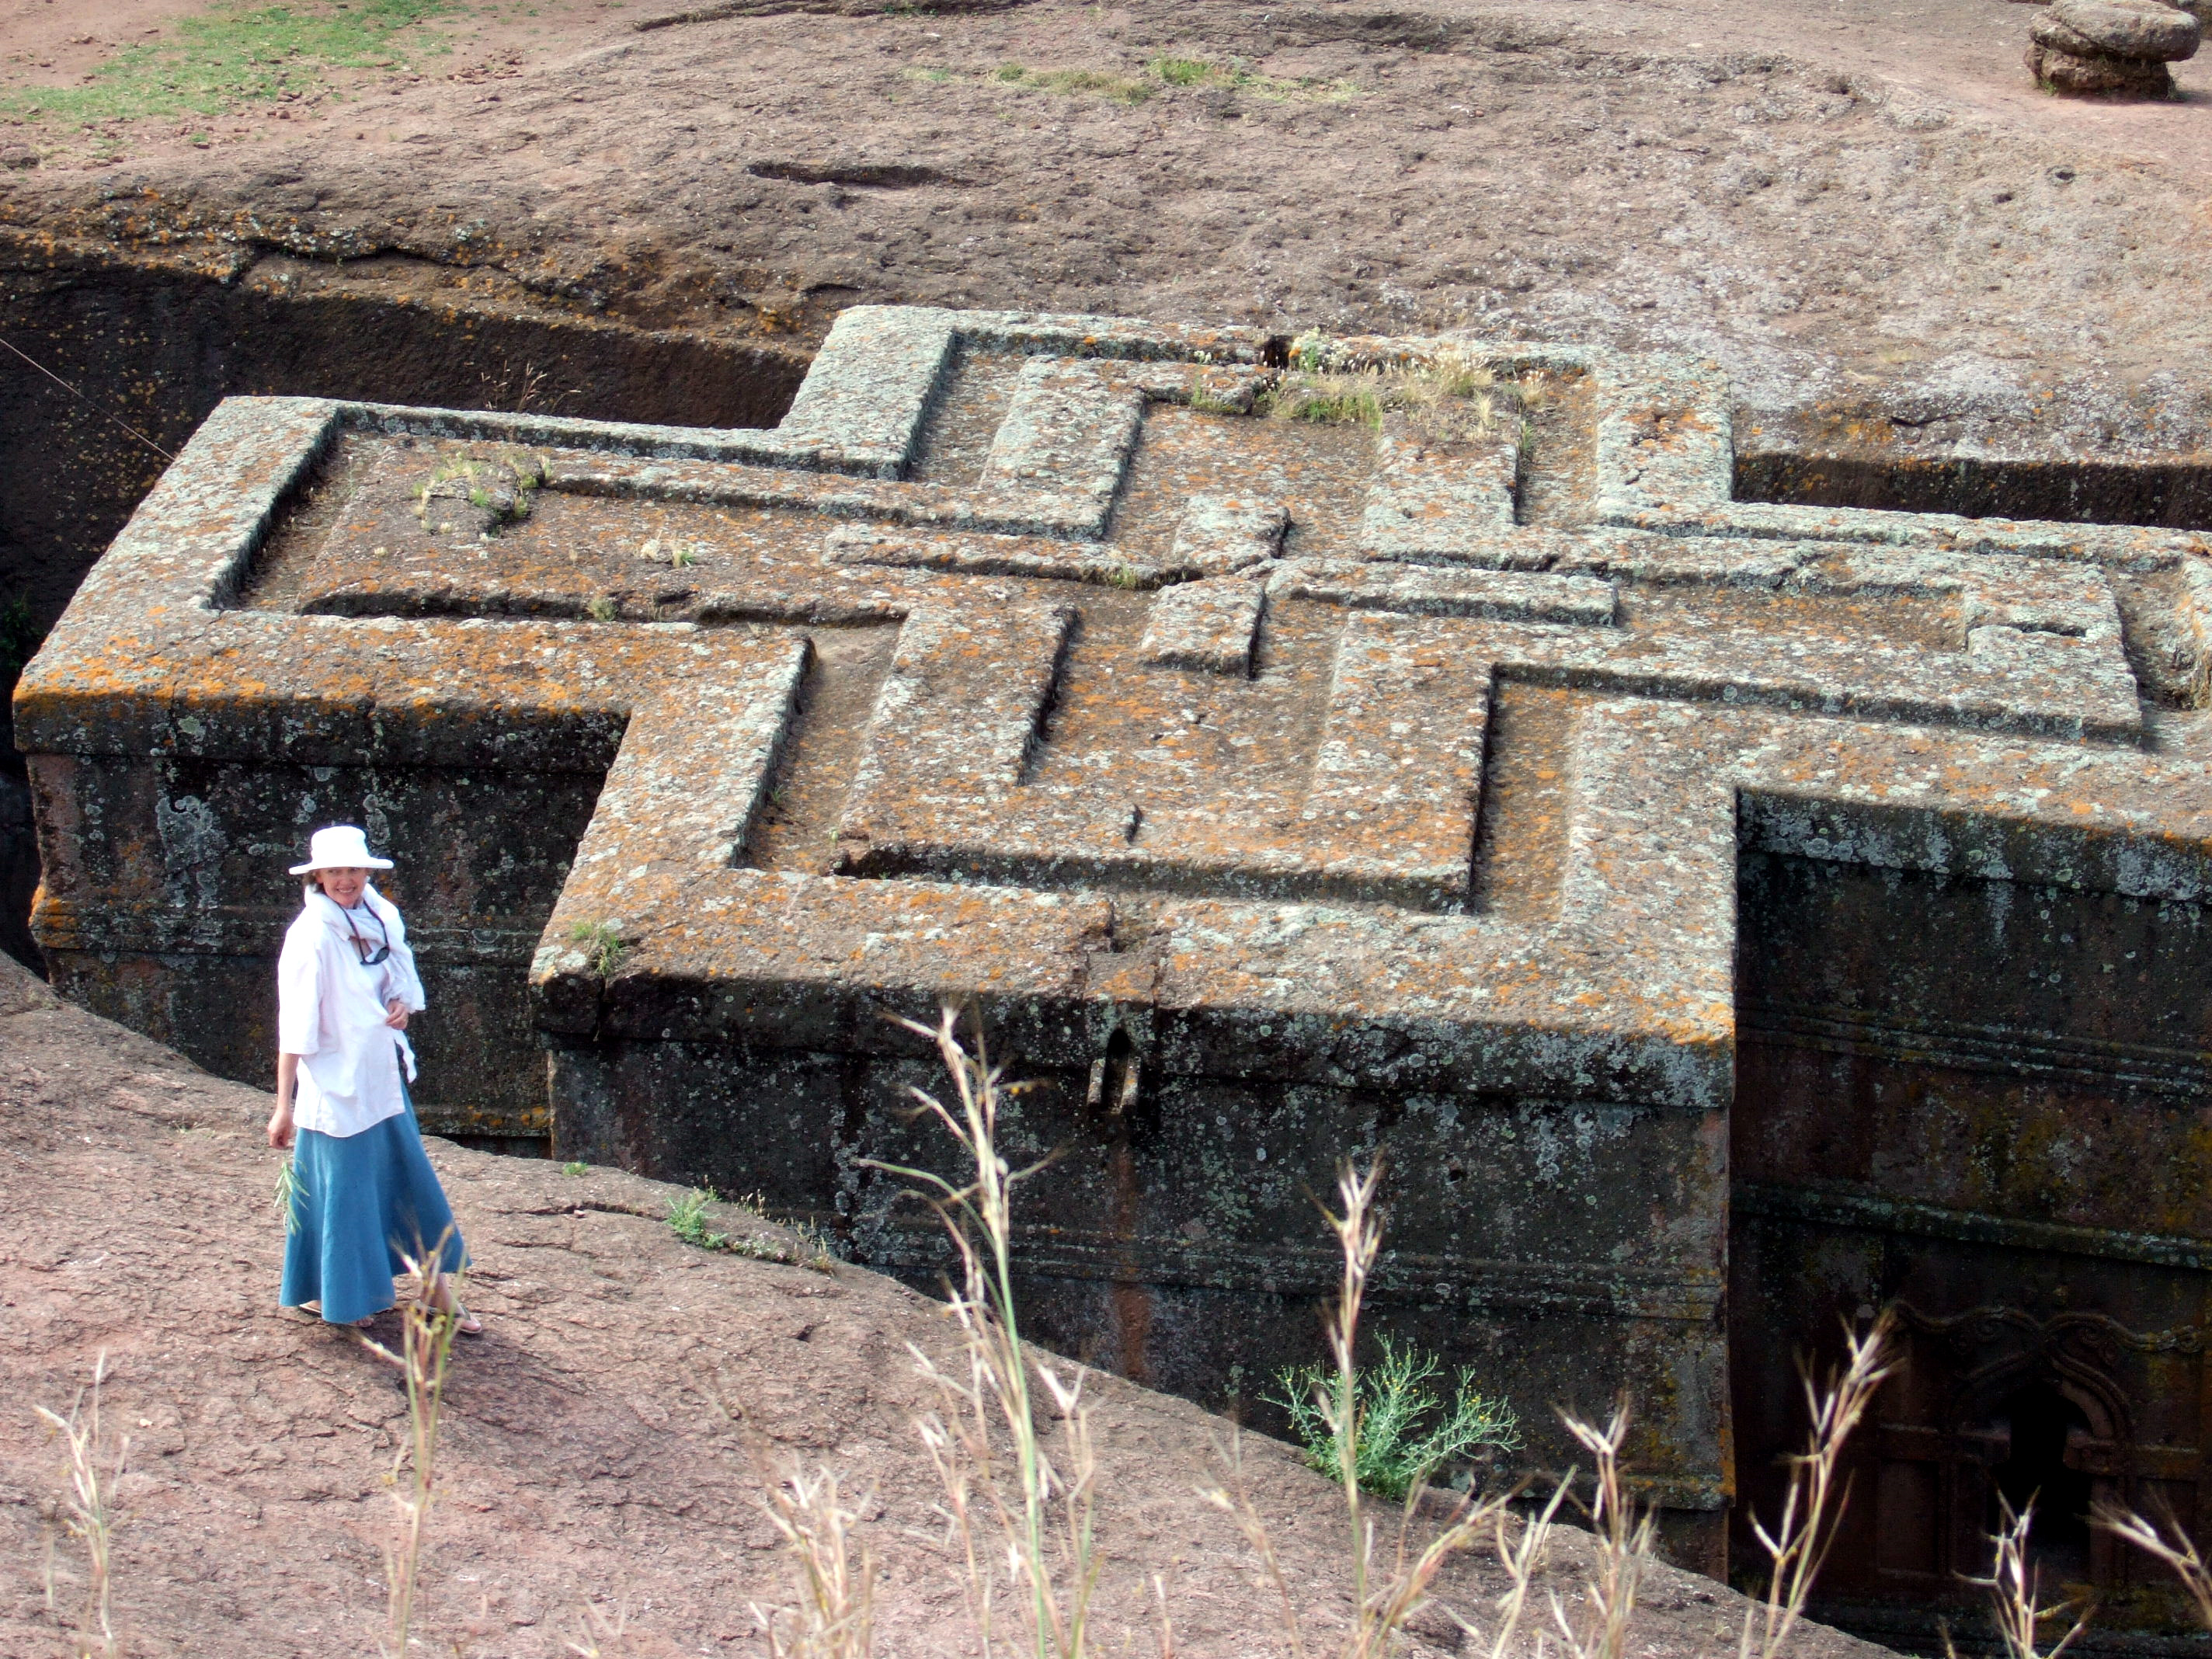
(364, 1196)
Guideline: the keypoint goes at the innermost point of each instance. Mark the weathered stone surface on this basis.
(2098, 73)
(2115, 48)
(1274, 790)
(1212, 625)
(2142, 29)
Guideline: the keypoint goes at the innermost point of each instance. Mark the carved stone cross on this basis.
(1286, 758)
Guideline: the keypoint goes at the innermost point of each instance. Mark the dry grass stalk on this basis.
(1521, 1557)
(1620, 1548)
(834, 1618)
(1359, 1239)
(2179, 1552)
(598, 1629)
(1799, 1543)
(1039, 1502)
(1032, 1507)
(1233, 1500)
(1383, 1600)
(2013, 1587)
(1414, 1574)
(91, 1515)
(1450, 396)
(426, 1322)
(1167, 1625)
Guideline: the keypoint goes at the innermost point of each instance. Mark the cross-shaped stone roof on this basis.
(1117, 675)
(1073, 667)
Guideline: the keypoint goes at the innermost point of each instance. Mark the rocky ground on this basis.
(1864, 207)
(609, 1441)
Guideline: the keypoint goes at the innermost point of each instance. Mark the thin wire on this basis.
(87, 401)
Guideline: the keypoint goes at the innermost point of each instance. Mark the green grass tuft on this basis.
(1406, 1431)
(575, 1168)
(602, 945)
(687, 1220)
(1334, 408)
(1312, 352)
(1231, 77)
(1451, 397)
(1183, 72)
(236, 54)
(1121, 89)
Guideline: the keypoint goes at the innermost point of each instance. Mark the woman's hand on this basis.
(395, 1014)
(280, 1120)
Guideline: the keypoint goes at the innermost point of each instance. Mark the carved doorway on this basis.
(1993, 1407)
(1945, 1104)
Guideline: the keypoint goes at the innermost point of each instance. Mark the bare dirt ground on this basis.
(1860, 205)
(610, 1441)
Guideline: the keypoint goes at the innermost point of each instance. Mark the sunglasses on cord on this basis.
(369, 957)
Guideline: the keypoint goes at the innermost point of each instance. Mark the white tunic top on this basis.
(330, 1011)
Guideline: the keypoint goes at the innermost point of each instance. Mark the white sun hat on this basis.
(340, 847)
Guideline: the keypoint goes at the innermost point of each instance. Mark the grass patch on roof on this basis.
(1203, 72)
(1170, 75)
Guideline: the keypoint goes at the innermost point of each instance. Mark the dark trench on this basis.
(2166, 495)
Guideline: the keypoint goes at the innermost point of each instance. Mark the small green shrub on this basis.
(1406, 1430)
(575, 1168)
(818, 1250)
(1330, 406)
(1312, 352)
(496, 487)
(673, 552)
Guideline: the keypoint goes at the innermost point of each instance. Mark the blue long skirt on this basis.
(364, 1203)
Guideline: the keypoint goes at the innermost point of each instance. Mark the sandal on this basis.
(466, 1323)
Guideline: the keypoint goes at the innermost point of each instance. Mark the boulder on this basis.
(2143, 30)
(2098, 74)
(2048, 30)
